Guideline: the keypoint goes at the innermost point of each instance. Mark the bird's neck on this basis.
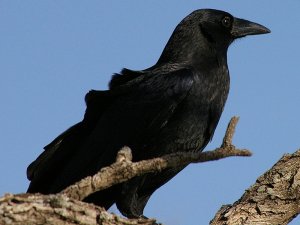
(203, 58)
(194, 51)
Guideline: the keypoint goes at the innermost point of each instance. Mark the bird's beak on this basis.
(241, 28)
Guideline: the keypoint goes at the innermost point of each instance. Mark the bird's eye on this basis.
(226, 21)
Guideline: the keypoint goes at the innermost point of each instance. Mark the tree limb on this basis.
(273, 200)
(36, 209)
(124, 169)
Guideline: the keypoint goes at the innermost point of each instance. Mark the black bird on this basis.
(172, 106)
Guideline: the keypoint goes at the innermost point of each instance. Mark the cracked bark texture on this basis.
(29, 209)
(273, 200)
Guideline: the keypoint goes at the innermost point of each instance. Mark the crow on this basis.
(172, 106)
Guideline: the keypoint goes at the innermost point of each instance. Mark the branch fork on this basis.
(124, 169)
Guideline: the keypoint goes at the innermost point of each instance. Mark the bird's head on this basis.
(207, 31)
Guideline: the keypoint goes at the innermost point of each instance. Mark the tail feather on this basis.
(43, 171)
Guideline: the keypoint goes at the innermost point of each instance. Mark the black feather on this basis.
(123, 77)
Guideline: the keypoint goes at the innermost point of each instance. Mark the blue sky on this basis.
(53, 52)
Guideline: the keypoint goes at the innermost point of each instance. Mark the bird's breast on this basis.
(194, 121)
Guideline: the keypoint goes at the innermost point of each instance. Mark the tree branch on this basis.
(36, 209)
(273, 200)
(124, 169)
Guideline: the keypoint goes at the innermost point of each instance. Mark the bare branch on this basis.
(124, 169)
(227, 140)
(273, 199)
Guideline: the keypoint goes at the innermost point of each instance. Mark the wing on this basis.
(45, 168)
(141, 108)
(66, 143)
(128, 114)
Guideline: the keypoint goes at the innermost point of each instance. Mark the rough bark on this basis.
(273, 199)
(29, 209)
